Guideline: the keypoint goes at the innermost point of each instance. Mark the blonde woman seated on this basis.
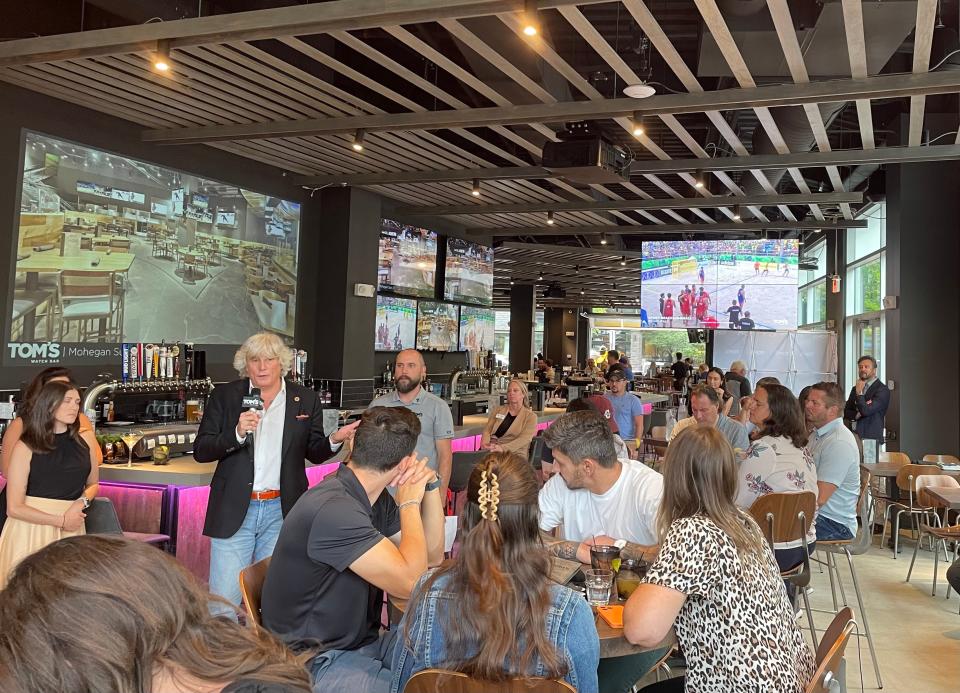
(716, 581)
(492, 612)
(512, 426)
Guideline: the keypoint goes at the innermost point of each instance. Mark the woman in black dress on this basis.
(52, 477)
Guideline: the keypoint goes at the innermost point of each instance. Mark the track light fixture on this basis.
(540, 277)
(576, 269)
(358, 141)
(639, 126)
(698, 179)
(476, 188)
(581, 292)
(603, 238)
(549, 218)
(623, 261)
(161, 59)
(511, 282)
(531, 23)
(736, 212)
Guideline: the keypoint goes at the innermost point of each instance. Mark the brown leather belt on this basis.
(264, 495)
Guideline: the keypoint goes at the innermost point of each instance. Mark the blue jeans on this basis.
(254, 541)
(366, 669)
(831, 530)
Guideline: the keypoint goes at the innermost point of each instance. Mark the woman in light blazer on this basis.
(512, 426)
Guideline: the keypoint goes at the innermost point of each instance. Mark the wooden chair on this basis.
(830, 653)
(444, 681)
(907, 483)
(785, 517)
(860, 544)
(87, 295)
(942, 459)
(900, 458)
(251, 586)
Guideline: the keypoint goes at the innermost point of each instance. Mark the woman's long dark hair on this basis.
(498, 579)
(38, 421)
(786, 416)
(103, 613)
(39, 380)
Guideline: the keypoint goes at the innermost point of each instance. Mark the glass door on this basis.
(868, 337)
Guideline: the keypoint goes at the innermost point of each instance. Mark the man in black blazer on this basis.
(260, 454)
(867, 405)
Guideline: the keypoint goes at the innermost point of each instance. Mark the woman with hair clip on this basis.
(103, 613)
(492, 612)
(778, 460)
(12, 435)
(52, 477)
(715, 580)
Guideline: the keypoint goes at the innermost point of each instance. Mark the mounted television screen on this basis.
(95, 223)
(437, 326)
(727, 285)
(408, 259)
(469, 272)
(476, 328)
(227, 218)
(396, 323)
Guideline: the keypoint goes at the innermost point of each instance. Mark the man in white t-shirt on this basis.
(595, 497)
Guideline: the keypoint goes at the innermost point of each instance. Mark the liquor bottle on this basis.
(188, 360)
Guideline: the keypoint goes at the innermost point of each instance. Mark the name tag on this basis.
(501, 416)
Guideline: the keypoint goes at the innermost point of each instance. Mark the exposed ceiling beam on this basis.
(609, 205)
(880, 87)
(541, 248)
(655, 229)
(842, 157)
(299, 20)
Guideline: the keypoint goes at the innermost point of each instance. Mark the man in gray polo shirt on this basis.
(837, 458)
(705, 406)
(436, 421)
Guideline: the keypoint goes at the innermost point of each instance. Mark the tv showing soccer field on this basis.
(408, 260)
(469, 272)
(396, 323)
(437, 325)
(110, 249)
(725, 285)
(477, 326)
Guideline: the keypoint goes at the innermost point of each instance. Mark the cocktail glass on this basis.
(130, 439)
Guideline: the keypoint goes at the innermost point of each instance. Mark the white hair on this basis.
(263, 344)
(738, 366)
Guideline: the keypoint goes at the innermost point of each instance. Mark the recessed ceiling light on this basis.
(639, 91)
(358, 141)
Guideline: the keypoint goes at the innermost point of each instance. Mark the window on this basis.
(864, 242)
(864, 286)
(818, 252)
(501, 336)
(813, 303)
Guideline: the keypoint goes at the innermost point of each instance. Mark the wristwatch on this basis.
(85, 501)
(433, 485)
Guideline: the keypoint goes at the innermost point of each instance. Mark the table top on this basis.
(613, 644)
(51, 262)
(890, 469)
(948, 497)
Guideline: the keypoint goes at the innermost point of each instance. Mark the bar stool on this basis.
(850, 548)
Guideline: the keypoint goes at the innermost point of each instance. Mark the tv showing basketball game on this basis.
(726, 285)
(469, 272)
(437, 325)
(476, 328)
(408, 260)
(396, 323)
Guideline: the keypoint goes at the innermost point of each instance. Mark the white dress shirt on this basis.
(268, 442)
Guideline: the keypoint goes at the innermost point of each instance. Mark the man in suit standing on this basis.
(260, 454)
(867, 405)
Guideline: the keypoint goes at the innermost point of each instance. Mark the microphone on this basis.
(252, 403)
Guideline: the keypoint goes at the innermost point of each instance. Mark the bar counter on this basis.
(171, 499)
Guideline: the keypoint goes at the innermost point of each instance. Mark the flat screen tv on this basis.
(727, 285)
(437, 325)
(91, 218)
(408, 260)
(476, 328)
(396, 323)
(469, 272)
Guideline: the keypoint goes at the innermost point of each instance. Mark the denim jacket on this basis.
(570, 625)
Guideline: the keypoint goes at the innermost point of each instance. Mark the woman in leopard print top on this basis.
(716, 581)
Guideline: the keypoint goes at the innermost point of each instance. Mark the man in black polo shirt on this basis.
(344, 542)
